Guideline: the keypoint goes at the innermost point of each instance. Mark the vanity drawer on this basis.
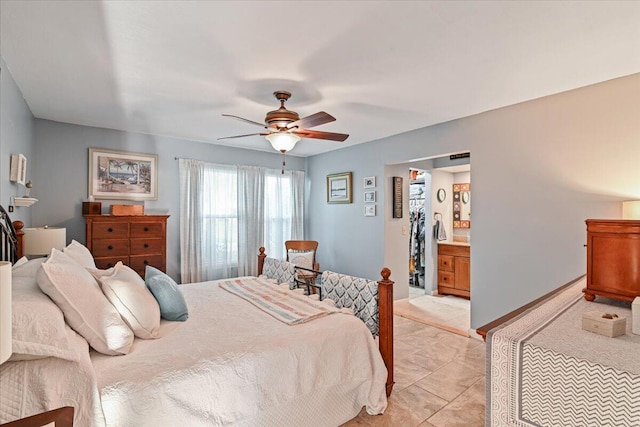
(446, 262)
(110, 230)
(110, 247)
(446, 279)
(147, 229)
(146, 246)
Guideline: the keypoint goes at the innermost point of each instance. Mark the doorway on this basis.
(439, 245)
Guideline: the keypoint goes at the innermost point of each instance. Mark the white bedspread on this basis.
(233, 364)
(34, 386)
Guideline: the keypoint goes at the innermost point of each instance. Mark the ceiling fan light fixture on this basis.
(282, 141)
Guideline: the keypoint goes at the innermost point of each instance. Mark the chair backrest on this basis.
(302, 253)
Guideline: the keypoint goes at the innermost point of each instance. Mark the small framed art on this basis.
(369, 210)
(370, 182)
(369, 196)
(339, 188)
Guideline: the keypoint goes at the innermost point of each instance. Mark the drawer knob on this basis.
(110, 247)
(110, 230)
(146, 245)
(146, 229)
(146, 262)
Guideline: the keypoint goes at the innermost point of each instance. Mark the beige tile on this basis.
(395, 415)
(467, 410)
(357, 421)
(474, 357)
(406, 373)
(426, 424)
(402, 326)
(450, 381)
(421, 403)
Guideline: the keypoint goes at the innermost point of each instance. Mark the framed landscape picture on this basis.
(122, 175)
(339, 188)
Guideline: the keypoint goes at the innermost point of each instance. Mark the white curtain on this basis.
(209, 221)
(251, 225)
(227, 212)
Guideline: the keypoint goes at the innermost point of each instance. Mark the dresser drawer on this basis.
(446, 279)
(140, 262)
(147, 229)
(445, 262)
(110, 247)
(108, 262)
(146, 246)
(110, 230)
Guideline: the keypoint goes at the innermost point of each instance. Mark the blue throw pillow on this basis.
(166, 292)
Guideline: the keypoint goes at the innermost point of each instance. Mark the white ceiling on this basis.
(381, 68)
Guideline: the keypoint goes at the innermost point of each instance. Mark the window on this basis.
(228, 211)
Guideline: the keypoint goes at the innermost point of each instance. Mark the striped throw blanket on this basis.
(286, 306)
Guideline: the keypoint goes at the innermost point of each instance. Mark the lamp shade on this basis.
(282, 141)
(40, 241)
(5, 311)
(631, 209)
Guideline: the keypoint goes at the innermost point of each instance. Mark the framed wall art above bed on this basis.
(122, 175)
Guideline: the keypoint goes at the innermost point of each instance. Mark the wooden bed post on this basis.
(18, 226)
(385, 312)
(261, 258)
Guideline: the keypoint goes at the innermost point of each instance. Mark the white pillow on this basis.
(301, 259)
(85, 308)
(27, 268)
(126, 290)
(80, 254)
(38, 328)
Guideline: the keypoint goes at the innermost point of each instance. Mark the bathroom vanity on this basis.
(454, 269)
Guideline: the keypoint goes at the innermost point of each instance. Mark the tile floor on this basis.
(439, 380)
(446, 312)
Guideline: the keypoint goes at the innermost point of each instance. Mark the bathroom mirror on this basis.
(441, 195)
(462, 205)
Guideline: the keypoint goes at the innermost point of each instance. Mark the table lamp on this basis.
(39, 241)
(5, 311)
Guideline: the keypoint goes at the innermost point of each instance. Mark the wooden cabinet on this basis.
(137, 241)
(454, 270)
(613, 259)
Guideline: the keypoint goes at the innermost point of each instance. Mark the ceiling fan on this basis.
(284, 128)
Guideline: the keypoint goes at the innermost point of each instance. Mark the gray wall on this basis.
(540, 168)
(16, 136)
(62, 174)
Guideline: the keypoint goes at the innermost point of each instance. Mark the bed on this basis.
(230, 363)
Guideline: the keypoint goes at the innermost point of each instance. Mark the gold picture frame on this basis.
(122, 175)
(339, 188)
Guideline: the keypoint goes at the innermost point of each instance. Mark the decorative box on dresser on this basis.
(613, 259)
(136, 240)
(454, 269)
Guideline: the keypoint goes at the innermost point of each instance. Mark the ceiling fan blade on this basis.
(262, 125)
(332, 136)
(242, 136)
(316, 119)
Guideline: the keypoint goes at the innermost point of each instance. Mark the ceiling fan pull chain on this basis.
(283, 162)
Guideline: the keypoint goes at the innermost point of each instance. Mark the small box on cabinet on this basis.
(91, 208)
(609, 325)
(127, 209)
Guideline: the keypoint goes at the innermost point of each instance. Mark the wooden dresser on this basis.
(137, 241)
(454, 270)
(613, 259)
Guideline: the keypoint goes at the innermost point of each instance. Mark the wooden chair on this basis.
(294, 246)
